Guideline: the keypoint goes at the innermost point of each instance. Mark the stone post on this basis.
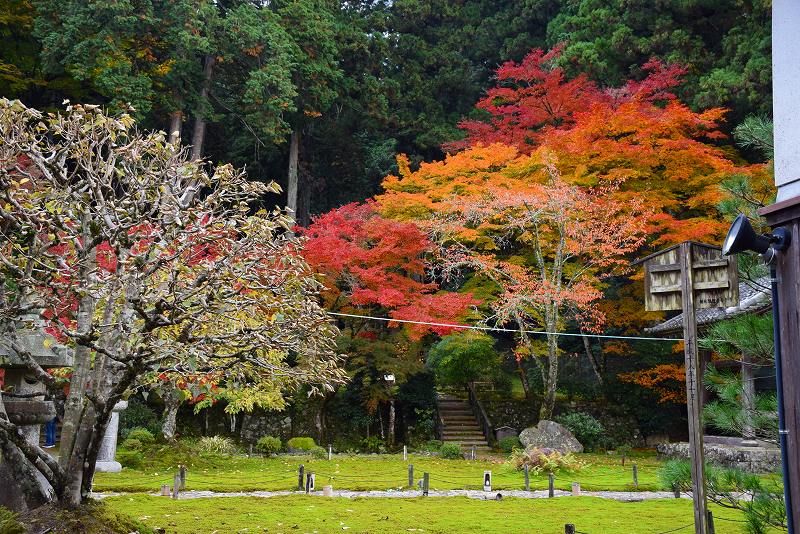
(106, 462)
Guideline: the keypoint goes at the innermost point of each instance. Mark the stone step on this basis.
(467, 445)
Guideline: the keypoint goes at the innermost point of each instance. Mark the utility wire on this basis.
(498, 329)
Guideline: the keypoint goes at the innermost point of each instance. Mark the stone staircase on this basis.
(460, 424)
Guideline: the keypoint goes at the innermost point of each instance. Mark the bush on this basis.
(144, 436)
(543, 460)
(132, 444)
(509, 443)
(373, 444)
(318, 452)
(269, 445)
(584, 427)
(130, 458)
(450, 451)
(433, 445)
(216, 445)
(9, 523)
(138, 415)
(304, 444)
(464, 357)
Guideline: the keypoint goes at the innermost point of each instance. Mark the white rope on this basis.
(497, 329)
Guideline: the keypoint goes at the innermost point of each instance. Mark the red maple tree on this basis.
(371, 265)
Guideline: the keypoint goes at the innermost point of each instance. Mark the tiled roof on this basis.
(754, 297)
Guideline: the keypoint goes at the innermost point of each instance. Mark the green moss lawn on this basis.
(241, 473)
(302, 514)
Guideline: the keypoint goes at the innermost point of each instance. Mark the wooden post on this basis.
(473, 452)
(330, 451)
(676, 491)
(176, 485)
(310, 482)
(550, 485)
(410, 475)
(693, 398)
(425, 484)
(300, 477)
(635, 476)
(405, 453)
(527, 478)
(569, 528)
(182, 472)
(711, 529)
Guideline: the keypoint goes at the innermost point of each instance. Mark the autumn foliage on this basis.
(638, 133)
(370, 264)
(665, 380)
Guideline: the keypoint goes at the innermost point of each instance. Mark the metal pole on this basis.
(782, 432)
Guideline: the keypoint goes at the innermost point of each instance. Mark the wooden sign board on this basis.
(713, 277)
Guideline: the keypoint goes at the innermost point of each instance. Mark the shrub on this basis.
(9, 523)
(132, 444)
(216, 445)
(318, 452)
(130, 458)
(450, 451)
(584, 427)
(543, 460)
(373, 444)
(144, 436)
(463, 357)
(301, 444)
(433, 445)
(509, 443)
(269, 445)
(138, 415)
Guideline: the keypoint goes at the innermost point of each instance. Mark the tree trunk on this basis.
(391, 422)
(199, 132)
(72, 495)
(523, 377)
(592, 360)
(748, 397)
(175, 123)
(549, 400)
(75, 405)
(172, 402)
(551, 377)
(292, 175)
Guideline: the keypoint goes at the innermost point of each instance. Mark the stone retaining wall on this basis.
(749, 459)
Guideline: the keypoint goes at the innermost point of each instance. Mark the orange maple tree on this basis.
(666, 380)
(639, 133)
(546, 244)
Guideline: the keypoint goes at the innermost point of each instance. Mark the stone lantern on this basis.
(29, 411)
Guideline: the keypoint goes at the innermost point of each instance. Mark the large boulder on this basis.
(550, 435)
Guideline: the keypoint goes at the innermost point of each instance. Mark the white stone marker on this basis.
(106, 462)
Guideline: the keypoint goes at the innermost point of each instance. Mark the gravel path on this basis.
(624, 496)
